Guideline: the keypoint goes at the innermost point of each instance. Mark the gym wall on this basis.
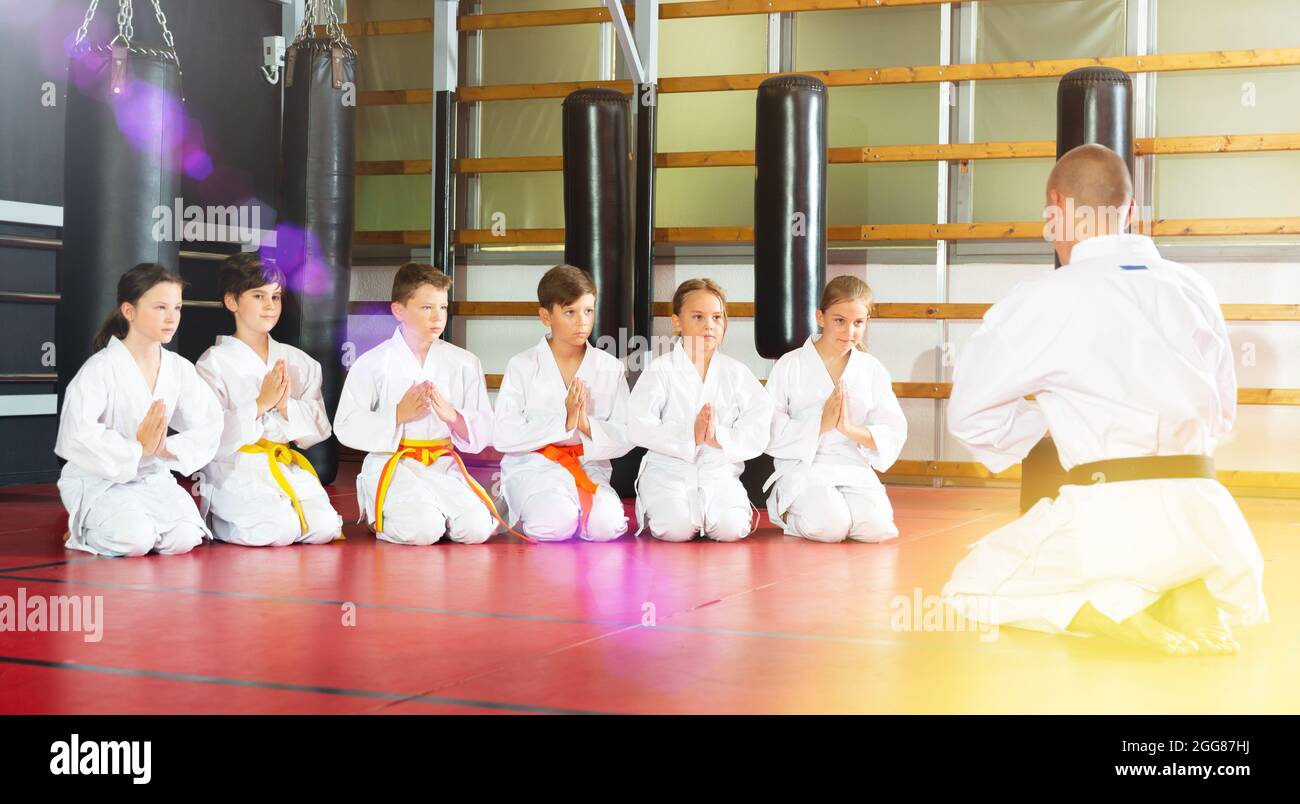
(233, 145)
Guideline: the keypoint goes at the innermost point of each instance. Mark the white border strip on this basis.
(36, 214)
(29, 405)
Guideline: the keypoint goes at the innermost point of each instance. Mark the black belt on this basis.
(1147, 467)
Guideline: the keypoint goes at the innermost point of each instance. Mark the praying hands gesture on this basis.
(705, 429)
(416, 403)
(835, 416)
(575, 407)
(152, 433)
(275, 391)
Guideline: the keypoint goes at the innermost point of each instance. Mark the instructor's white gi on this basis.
(1127, 355)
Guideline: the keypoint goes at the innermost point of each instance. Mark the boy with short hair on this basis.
(412, 403)
(259, 490)
(561, 418)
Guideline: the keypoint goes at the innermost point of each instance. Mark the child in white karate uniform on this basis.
(836, 423)
(259, 490)
(561, 417)
(117, 485)
(700, 415)
(412, 403)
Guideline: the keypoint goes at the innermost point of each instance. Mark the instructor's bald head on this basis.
(1092, 175)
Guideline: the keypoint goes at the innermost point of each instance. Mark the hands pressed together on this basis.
(152, 433)
(706, 428)
(835, 416)
(421, 398)
(575, 407)
(275, 391)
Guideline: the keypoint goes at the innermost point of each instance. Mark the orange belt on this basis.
(567, 455)
(426, 452)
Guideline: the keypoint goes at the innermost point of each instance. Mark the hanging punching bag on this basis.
(314, 238)
(123, 128)
(1094, 105)
(789, 211)
(598, 206)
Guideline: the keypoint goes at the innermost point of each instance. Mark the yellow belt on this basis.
(276, 454)
(426, 452)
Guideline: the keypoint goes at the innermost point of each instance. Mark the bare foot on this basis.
(1141, 630)
(1192, 610)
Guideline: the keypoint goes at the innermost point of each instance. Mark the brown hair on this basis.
(848, 288)
(703, 284)
(412, 275)
(130, 288)
(564, 285)
(247, 271)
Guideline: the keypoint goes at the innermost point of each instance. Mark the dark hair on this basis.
(246, 271)
(130, 287)
(412, 275)
(563, 285)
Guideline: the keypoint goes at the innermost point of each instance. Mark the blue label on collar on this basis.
(1134, 267)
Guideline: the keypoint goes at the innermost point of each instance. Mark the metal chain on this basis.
(162, 23)
(85, 24)
(125, 30)
(332, 26)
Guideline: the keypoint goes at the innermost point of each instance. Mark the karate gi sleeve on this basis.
(476, 410)
(519, 428)
(885, 422)
(609, 436)
(1004, 361)
(307, 423)
(748, 436)
(84, 440)
(240, 422)
(646, 425)
(795, 433)
(363, 422)
(198, 422)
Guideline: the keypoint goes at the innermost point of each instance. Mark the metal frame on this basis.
(1140, 40)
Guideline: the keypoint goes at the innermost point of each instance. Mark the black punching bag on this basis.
(1094, 105)
(123, 130)
(314, 238)
(789, 211)
(598, 206)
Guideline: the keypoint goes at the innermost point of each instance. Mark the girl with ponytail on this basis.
(113, 430)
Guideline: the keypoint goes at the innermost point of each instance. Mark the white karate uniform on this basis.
(683, 488)
(1127, 355)
(423, 503)
(248, 507)
(530, 413)
(825, 486)
(119, 502)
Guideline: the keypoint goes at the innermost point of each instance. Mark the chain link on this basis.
(332, 26)
(125, 29)
(85, 24)
(162, 23)
(311, 11)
